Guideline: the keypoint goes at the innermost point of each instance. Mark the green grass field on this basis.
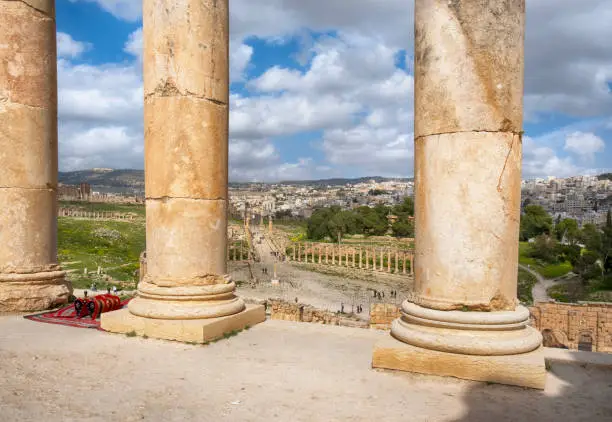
(526, 280)
(545, 270)
(138, 209)
(113, 245)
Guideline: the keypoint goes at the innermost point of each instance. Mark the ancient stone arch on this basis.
(555, 338)
(585, 341)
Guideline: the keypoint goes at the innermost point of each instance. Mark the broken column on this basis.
(463, 318)
(30, 276)
(186, 294)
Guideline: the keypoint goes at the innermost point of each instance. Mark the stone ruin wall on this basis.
(382, 315)
(95, 215)
(298, 312)
(573, 325)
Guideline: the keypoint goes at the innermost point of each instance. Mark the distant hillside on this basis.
(605, 176)
(134, 179)
(341, 182)
(110, 178)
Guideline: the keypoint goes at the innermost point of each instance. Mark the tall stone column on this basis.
(187, 294)
(396, 262)
(30, 276)
(464, 318)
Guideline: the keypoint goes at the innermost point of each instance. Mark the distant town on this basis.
(585, 199)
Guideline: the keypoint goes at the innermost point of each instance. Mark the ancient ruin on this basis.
(463, 318)
(583, 326)
(30, 277)
(186, 293)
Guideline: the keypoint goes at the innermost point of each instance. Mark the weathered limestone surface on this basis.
(467, 212)
(30, 278)
(463, 319)
(186, 293)
(468, 66)
(524, 370)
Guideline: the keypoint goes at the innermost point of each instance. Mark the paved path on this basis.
(539, 291)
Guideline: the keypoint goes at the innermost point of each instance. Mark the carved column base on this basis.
(188, 313)
(484, 346)
(26, 290)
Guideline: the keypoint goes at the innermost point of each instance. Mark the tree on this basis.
(609, 220)
(402, 229)
(406, 208)
(545, 248)
(535, 221)
(568, 229)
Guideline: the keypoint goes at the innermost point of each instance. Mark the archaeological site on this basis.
(234, 321)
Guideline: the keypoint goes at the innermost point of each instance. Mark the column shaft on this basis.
(186, 80)
(30, 277)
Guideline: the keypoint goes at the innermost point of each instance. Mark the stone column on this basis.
(333, 255)
(463, 318)
(404, 263)
(360, 258)
(30, 276)
(294, 249)
(374, 259)
(320, 249)
(346, 257)
(367, 260)
(381, 267)
(326, 255)
(396, 262)
(412, 264)
(186, 294)
(389, 261)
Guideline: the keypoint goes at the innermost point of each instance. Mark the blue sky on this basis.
(324, 89)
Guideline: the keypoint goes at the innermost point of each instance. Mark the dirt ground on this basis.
(275, 371)
(320, 290)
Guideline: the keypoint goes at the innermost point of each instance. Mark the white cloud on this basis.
(240, 57)
(351, 89)
(129, 10)
(134, 44)
(584, 145)
(69, 48)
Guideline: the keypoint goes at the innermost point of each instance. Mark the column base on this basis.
(523, 370)
(35, 291)
(184, 330)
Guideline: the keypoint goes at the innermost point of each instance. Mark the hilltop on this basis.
(129, 178)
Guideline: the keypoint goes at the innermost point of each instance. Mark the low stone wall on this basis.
(382, 315)
(298, 312)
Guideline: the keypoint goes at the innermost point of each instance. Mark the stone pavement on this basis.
(275, 371)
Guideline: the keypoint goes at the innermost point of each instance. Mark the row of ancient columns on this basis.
(369, 258)
(94, 215)
(238, 252)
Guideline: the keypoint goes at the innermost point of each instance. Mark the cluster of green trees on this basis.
(334, 223)
(589, 249)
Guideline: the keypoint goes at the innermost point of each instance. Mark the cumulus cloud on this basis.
(349, 90)
(134, 44)
(584, 145)
(129, 10)
(67, 47)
